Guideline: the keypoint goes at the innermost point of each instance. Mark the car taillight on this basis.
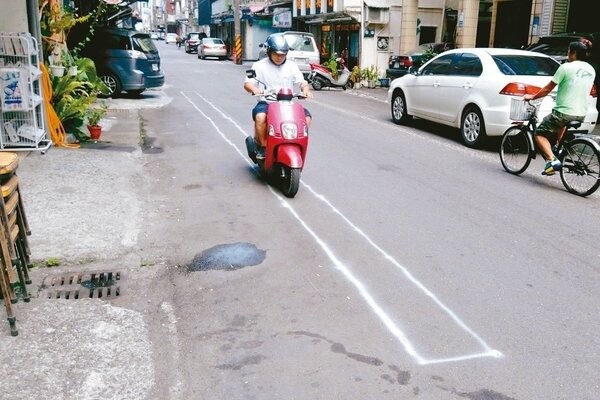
(519, 89)
(407, 62)
(594, 92)
(137, 54)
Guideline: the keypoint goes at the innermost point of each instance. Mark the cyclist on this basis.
(574, 79)
(275, 71)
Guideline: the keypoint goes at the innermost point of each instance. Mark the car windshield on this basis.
(194, 35)
(212, 41)
(299, 43)
(144, 44)
(525, 65)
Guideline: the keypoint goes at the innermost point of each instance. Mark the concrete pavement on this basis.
(84, 214)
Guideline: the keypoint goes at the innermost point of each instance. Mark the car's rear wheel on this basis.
(399, 111)
(113, 84)
(472, 127)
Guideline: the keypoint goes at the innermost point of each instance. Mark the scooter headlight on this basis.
(289, 130)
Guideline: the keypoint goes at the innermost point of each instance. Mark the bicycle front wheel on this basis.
(515, 150)
(580, 171)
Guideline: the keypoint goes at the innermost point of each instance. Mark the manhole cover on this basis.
(228, 257)
(82, 285)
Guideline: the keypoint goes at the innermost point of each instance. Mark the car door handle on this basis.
(467, 85)
(436, 84)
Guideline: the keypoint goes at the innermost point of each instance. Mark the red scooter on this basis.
(287, 139)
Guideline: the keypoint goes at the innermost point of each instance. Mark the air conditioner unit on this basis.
(375, 15)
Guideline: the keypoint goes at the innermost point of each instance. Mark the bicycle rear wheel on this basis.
(515, 150)
(580, 171)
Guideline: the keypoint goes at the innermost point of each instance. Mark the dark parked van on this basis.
(126, 60)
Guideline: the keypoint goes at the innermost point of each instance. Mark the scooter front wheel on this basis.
(290, 182)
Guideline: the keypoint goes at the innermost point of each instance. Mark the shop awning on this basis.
(377, 3)
(256, 8)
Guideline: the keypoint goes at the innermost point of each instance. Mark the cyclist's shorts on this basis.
(261, 107)
(553, 123)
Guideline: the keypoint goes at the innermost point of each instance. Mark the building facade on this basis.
(371, 30)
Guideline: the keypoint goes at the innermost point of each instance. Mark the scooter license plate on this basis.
(301, 60)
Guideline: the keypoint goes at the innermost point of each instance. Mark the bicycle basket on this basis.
(520, 110)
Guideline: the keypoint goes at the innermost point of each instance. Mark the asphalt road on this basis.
(407, 266)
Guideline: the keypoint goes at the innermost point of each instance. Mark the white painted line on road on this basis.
(382, 315)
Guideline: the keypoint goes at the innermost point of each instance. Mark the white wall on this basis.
(13, 17)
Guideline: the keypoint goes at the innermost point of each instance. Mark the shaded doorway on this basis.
(512, 24)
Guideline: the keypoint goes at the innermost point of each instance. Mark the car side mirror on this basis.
(250, 73)
(261, 45)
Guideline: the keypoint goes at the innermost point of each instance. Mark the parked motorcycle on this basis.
(287, 139)
(321, 77)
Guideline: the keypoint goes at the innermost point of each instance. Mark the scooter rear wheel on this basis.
(317, 83)
(290, 182)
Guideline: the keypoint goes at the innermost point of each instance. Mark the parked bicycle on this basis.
(578, 151)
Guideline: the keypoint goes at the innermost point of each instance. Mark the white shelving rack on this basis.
(22, 114)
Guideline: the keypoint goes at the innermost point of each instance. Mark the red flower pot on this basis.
(95, 131)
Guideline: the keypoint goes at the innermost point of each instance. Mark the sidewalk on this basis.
(83, 213)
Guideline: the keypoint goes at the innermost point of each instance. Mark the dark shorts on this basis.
(261, 107)
(552, 124)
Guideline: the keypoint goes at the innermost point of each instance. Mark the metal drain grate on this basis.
(91, 285)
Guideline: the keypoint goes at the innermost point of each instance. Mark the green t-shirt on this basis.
(574, 80)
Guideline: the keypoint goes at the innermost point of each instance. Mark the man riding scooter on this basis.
(274, 72)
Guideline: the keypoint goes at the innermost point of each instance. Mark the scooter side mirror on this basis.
(250, 73)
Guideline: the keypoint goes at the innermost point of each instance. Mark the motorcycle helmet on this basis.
(276, 43)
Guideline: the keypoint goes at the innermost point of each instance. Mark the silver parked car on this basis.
(471, 89)
(212, 47)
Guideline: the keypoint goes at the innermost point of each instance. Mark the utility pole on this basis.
(237, 47)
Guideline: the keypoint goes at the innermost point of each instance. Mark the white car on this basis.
(471, 89)
(303, 50)
(171, 38)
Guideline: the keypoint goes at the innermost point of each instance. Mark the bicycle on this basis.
(578, 151)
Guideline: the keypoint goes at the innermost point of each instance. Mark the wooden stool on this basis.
(18, 245)
(8, 251)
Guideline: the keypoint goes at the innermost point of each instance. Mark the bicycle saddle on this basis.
(573, 124)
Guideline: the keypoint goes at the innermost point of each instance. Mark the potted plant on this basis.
(68, 62)
(355, 77)
(332, 65)
(55, 59)
(93, 116)
(371, 76)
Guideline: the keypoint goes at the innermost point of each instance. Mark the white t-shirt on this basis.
(275, 77)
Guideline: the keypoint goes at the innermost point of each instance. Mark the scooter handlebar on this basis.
(271, 95)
